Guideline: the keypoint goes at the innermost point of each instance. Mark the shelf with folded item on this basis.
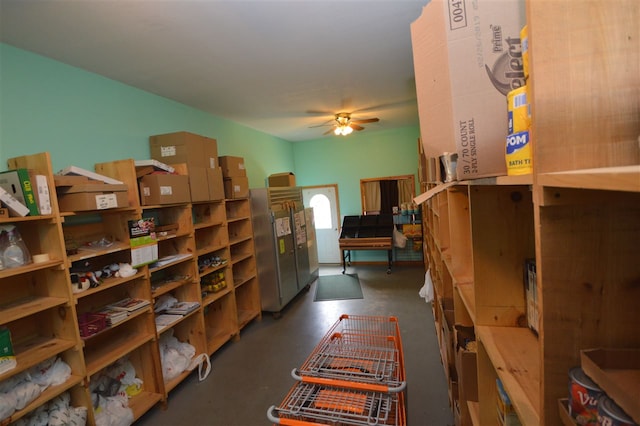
(133, 374)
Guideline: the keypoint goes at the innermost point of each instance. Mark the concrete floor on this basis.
(253, 373)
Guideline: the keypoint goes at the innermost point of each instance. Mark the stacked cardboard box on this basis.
(236, 183)
(199, 154)
(467, 57)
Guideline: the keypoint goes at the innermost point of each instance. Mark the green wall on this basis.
(345, 160)
(82, 118)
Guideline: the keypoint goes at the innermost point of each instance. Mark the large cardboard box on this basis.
(232, 166)
(164, 189)
(216, 184)
(18, 183)
(467, 57)
(92, 197)
(236, 187)
(184, 147)
(282, 179)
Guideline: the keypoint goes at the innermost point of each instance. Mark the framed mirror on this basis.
(380, 195)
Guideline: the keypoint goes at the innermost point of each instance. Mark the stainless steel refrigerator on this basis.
(282, 250)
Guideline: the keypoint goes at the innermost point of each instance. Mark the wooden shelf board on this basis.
(237, 218)
(179, 320)
(159, 290)
(212, 297)
(25, 307)
(46, 395)
(515, 355)
(234, 241)
(626, 178)
(120, 346)
(202, 225)
(107, 284)
(89, 253)
(245, 317)
(239, 257)
(129, 209)
(131, 316)
(212, 269)
(474, 412)
(209, 249)
(217, 340)
(143, 402)
(14, 219)
(181, 258)
(501, 180)
(467, 294)
(34, 351)
(239, 280)
(563, 411)
(31, 267)
(171, 384)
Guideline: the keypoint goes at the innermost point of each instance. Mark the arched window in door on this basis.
(321, 211)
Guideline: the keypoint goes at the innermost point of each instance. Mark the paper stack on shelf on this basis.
(165, 321)
(129, 304)
(113, 316)
(182, 308)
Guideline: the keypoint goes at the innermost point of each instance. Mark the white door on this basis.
(323, 200)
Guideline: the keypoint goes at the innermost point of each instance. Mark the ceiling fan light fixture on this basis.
(343, 130)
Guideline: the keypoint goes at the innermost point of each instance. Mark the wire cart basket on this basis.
(354, 376)
(310, 404)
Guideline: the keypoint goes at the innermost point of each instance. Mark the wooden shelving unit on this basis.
(243, 260)
(577, 216)
(214, 259)
(35, 300)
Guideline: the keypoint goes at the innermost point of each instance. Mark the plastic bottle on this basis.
(13, 255)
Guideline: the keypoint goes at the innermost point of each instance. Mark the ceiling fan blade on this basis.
(327, 132)
(355, 126)
(366, 120)
(326, 123)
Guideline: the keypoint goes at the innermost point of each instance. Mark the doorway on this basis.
(324, 201)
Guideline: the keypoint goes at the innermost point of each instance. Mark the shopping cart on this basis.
(355, 361)
(309, 404)
(354, 376)
(358, 349)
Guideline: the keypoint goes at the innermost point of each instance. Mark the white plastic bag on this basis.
(175, 356)
(427, 289)
(200, 361)
(399, 239)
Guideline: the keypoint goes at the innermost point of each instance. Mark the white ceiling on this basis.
(273, 65)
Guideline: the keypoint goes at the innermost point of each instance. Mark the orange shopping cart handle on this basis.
(286, 421)
(348, 384)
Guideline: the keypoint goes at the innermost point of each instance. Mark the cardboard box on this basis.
(92, 197)
(232, 166)
(15, 207)
(18, 183)
(466, 60)
(617, 373)
(466, 367)
(164, 189)
(198, 183)
(184, 147)
(282, 179)
(236, 187)
(216, 184)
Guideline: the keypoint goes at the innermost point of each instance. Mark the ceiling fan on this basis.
(344, 125)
